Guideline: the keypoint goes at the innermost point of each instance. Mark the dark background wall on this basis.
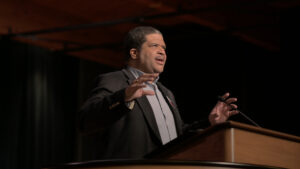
(41, 91)
(203, 66)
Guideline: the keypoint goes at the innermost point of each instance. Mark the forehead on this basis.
(155, 37)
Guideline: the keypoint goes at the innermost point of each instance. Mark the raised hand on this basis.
(224, 108)
(135, 89)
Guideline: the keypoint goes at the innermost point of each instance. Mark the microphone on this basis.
(243, 114)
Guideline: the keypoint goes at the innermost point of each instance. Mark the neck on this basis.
(136, 66)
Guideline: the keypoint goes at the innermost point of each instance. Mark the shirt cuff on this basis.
(130, 104)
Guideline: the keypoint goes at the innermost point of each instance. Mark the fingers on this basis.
(231, 100)
(232, 112)
(232, 109)
(228, 100)
(137, 86)
(224, 97)
(148, 92)
(135, 90)
(233, 106)
(144, 92)
(146, 78)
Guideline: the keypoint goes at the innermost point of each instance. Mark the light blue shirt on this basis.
(162, 112)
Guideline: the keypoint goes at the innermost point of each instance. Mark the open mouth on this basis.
(160, 61)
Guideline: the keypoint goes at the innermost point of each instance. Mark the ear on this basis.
(133, 53)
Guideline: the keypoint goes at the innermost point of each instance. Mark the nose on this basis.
(161, 51)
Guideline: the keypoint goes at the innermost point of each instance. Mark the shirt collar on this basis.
(137, 73)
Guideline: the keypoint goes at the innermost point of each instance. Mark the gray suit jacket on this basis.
(123, 133)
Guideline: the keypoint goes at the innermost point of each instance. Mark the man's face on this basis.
(152, 55)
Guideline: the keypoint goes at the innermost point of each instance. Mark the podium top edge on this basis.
(251, 128)
(143, 162)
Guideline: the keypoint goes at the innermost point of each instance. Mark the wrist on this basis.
(130, 104)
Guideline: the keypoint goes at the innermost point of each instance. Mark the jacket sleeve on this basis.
(104, 106)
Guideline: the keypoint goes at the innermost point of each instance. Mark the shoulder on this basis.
(114, 79)
(112, 75)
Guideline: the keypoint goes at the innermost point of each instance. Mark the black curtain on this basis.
(38, 106)
(41, 93)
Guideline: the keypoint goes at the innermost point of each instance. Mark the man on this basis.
(134, 113)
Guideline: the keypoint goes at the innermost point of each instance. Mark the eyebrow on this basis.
(163, 46)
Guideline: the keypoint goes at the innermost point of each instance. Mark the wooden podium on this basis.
(224, 146)
(235, 142)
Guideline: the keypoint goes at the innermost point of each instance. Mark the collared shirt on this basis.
(162, 112)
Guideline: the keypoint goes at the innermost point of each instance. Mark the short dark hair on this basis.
(136, 37)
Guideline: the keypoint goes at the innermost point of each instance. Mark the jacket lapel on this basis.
(145, 106)
(149, 115)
